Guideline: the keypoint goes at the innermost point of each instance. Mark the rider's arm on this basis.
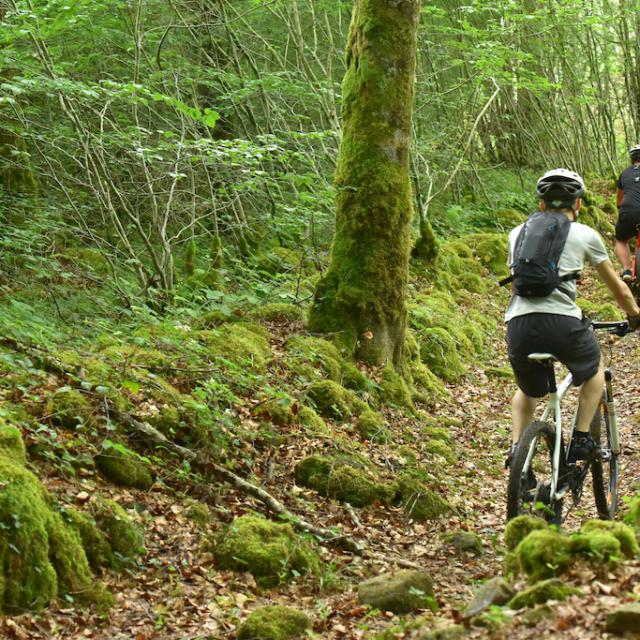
(619, 289)
(619, 197)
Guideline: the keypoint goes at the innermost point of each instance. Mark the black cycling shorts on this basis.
(570, 340)
(626, 225)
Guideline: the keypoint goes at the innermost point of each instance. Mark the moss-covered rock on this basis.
(494, 592)
(491, 250)
(277, 312)
(598, 546)
(428, 388)
(464, 541)
(333, 401)
(541, 592)
(418, 500)
(439, 352)
(124, 536)
(124, 470)
(274, 623)
(125, 355)
(41, 556)
(270, 551)
(544, 553)
(623, 620)
(276, 410)
(519, 528)
(94, 541)
(313, 358)
(443, 449)
(311, 421)
(371, 426)
(242, 343)
(632, 516)
(69, 408)
(198, 512)
(401, 592)
(622, 533)
(343, 480)
(394, 389)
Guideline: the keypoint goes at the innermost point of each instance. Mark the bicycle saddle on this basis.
(542, 357)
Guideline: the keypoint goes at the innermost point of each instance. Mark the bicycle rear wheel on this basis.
(604, 470)
(529, 485)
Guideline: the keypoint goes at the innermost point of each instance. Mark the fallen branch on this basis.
(202, 463)
(199, 460)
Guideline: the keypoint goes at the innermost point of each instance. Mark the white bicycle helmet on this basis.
(560, 184)
(634, 152)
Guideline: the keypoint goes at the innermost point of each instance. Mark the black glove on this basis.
(634, 322)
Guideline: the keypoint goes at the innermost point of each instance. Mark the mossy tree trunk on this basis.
(363, 293)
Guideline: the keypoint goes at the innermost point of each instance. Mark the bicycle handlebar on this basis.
(620, 328)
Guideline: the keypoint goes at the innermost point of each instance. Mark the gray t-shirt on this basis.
(584, 244)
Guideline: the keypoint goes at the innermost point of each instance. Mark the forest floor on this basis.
(178, 593)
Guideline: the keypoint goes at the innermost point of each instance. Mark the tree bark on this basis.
(363, 293)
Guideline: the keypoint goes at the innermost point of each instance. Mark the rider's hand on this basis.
(634, 322)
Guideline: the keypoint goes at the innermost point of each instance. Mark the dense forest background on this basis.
(171, 419)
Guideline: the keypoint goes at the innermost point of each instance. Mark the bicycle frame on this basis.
(556, 396)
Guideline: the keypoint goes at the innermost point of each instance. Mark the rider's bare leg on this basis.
(590, 394)
(624, 254)
(522, 410)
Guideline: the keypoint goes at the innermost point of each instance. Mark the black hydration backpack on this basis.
(537, 253)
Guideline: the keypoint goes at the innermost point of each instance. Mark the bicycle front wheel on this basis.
(604, 470)
(529, 488)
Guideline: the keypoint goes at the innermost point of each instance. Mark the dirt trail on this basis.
(178, 593)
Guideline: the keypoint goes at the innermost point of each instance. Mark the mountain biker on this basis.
(555, 324)
(628, 202)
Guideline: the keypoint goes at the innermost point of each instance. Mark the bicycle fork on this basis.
(607, 398)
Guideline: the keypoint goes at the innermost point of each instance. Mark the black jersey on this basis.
(629, 182)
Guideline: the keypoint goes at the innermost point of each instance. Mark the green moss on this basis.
(312, 422)
(343, 480)
(544, 553)
(94, 541)
(541, 592)
(274, 623)
(68, 408)
(600, 311)
(124, 470)
(41, 557)
(242, 343)
(432, 432)
(271, 552)
(123, 535)
(333, 401)
(598, 546)
(439, 352)
(199, 513)
(632, 516)
(371, 426)
(277, 311)
(491, 250)
(125, 355)
(428, 387)
(621, 532)
(499, 372)
(278, 411)
(394, 389)
(519, 528)
(418, 500)
(440, 448)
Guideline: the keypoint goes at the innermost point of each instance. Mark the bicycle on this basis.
(540, 475)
